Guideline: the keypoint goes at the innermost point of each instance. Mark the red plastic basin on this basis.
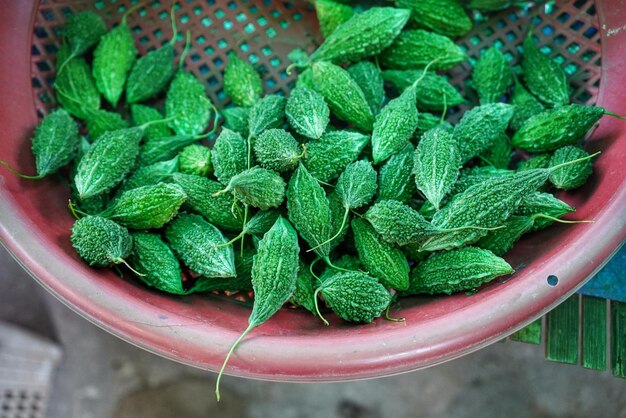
(295, 346)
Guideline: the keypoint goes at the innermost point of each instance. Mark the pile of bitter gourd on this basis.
(347, 190)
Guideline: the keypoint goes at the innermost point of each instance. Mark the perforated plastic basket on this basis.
(586, 39)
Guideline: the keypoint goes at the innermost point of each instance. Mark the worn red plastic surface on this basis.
(294, 346)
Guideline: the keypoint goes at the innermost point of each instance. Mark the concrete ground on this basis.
(101, 376)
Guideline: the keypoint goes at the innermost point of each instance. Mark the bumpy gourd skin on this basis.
(364, 35)
(277, 149)
(236, 119)
(187, 105)
(307, 112)
(394, 126)
(327, 157)
(417, 48)
(526, 106)
(101, 242)
(76, 90)
(543, 203)
(55, 142)
(331, 14)
(338, 228)
(156, 262)
(194, 241)
(455, 271)
(485, 205)
(427, 121)
(536, 161)
(107, 162)
(381, 259)
(398, 223)
(500, 153)
(161, 149)
(555, 128)
(242, 83)
(267, 113)
(149, 175)
(355, 296)
(146, 207)
(258, 187)
(143, 114)
(100, 121)
(357, 185)
(545, 79)
(151, 74)
(395, 178)
(436, 164)
(304, 291)
(369, 78)
(83, 30)
(480, 127)
(229, 155)
(274, 271)
(343, 95)
(195, 159)
(309, 210)
(243, 281)
(573, 175)
(492, 76)
(433, 92)
(218, 210)
(446, 17)
(261, 222)
(474, 175)
(502, 240)
(113, 59)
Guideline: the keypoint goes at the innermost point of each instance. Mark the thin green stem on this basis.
(314, 262)
(154, 122)
(174, 28)
(249, 147)
(245, 221)
(232, 241)
(331, 265)
(131, 10)
(317, 308)
(122, 261)
(230, 352)
(233, 207)
(343, 223)
(17, 173)
(221, 192)
(388, 318)
(324, 183)
(215, 121)
(355, 213)
(563, 221)
(615, 115)
(445, 108)
(64, 63)
(420, 78)
(183, 56)
(300, 156)
(573, 161)
(75, 212)
(290, 68)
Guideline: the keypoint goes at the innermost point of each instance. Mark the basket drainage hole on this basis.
(552, 280)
